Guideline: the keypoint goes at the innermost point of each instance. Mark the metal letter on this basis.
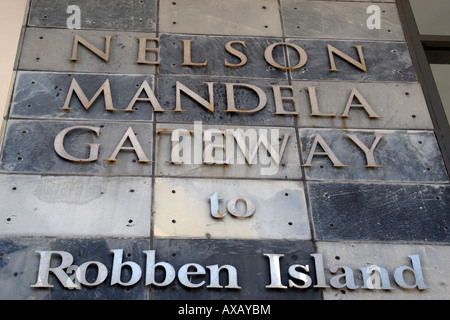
(231, 107)
(332, 50)
(187, 55)
(136, 147)
(348, 276)
(416, 270)
(300, 276)
(61, 151)
(250, 207)
(236, 53)
(328, 152)
(214, 277)
(101, 274)
(362, 104)
(44, 270)
(184, 276)
(214, 204)
(258, 139)
(275, 273)
(151, 98)
(142, 52)
(75, 88)
(368, 152)
(320, 271)
(207, 104)
(375, 277)
(269, 56)
(103, 55)
(136, 271)
(150, 271)
(315, 104)
(279, 109)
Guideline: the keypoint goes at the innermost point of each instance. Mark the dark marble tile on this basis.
(248, 259)
(29, 147)
(130, 15)
(401, 155)
(19, 265)
(245, 99)
(380, 212)
(43, 95)
(385, 61)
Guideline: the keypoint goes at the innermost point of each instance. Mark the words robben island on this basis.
(194, 275)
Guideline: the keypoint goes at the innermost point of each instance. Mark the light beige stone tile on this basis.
(74, 206)
(434, 260)
(183, 209)
(231, 17)
(340, 20)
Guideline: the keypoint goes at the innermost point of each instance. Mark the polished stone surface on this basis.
(48, 49)
(183, 209)
(211, 49)
(380, 212)
(433, 258)
(135, 15)
(19, 263)
(402, 156)
(74, 206)
(246, 99)
(231, 17)
(43, 95)
(29, 147)
(323, 19)
(386, 99)
(385, 61)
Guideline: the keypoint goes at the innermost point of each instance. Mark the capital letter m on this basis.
(75, 88)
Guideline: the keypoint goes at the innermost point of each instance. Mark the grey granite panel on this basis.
(43, 95)
(380, 212)
(212, 49)
(245, 99)
(130, 15)
(19, 265)
(385, 61)
(402, 155)
(74, 206)
(247, 257)
(29, 147)
(398, 105)
(344, 20)
(47, 49)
